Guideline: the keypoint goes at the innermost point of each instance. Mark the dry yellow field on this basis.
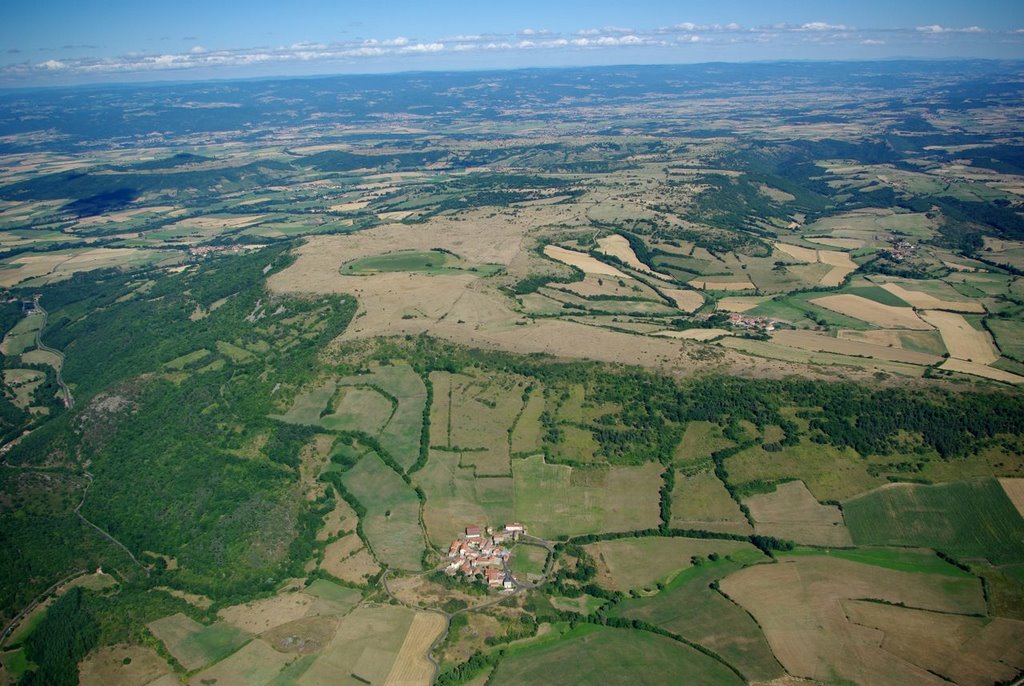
(982, 370)
(617, 246)
(834, 276)
(835, 258)
(869, 311)
(706, 285)
(695, 334)
(924, 301)
(740, 303)
(581, 260)
(847, 243)
(797, 252)
(356, 568)
(108, 666)
(962, 340)
(685, 300)
(799, 605)
(263, 615)
(225, 222)
(1014, 489)
(809, 340)
(349, 206)
(791, 512)
(412, 668)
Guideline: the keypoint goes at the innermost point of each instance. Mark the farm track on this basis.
(69, 400)
(13, 624)
(105, 534)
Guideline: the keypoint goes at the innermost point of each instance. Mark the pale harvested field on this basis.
(123, 215)
(834, 276)
(799, 605)
(707, 285)
(341, 518)
(924, 301)
(62, 265)
(965, 650)
(835, 258)
(194, 599)
(263, 615)
(740, 303)
(594, 284)
(355, 569)
(471, 311)
(412, 668)
(581, 260)
(337, 552)
(366, 644)
(349, 206)
(962, 340)
(791, 512)
(254, 663)
(695, 334)
(869, 311)
(847, 243)
(233, 221)
(982, 370)
(798, 253)
(1015, 492)
(685, 300)
(617, 246)
(809, 340)
(631, 563)
(107, 666)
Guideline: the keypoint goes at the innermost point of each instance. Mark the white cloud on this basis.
(823, 26)
(53, 65)
(872, 41)
(424, 47)
(197, 50)
(937, 28)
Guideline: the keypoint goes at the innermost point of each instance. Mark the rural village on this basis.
(482, 554)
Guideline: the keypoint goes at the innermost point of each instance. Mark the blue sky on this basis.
(117, 40)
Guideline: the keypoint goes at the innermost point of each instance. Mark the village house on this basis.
(476, 555)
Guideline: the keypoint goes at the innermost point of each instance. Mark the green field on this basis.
(1009, 336)
(341, 599)
(701, 501)
(426, 262)
(689, 608)
(698, 442)
(967, 519)
(392, 512)
(900, 559)
(456, 498)
(627, 564)
(22, 336)
(528, 559)
(358, 408)
(558, 500)
(195, 645)
(829, 472)
(591, 654)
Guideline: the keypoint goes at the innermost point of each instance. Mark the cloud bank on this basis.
(673, 40)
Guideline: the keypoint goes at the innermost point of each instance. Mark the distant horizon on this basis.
(155, 82)
(61, 42)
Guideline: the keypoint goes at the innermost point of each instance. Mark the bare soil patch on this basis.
(799, 605)
(965, 650)
(982, 370)
(411, 667)
(925, 301)
(695, 334)
(963, 341)
(1015, 492)
(791, 512)
(617, 246)
(870, 311)
(809, 340)
(122, 664)
(263, 615)
(581, 260)
(740, 303)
